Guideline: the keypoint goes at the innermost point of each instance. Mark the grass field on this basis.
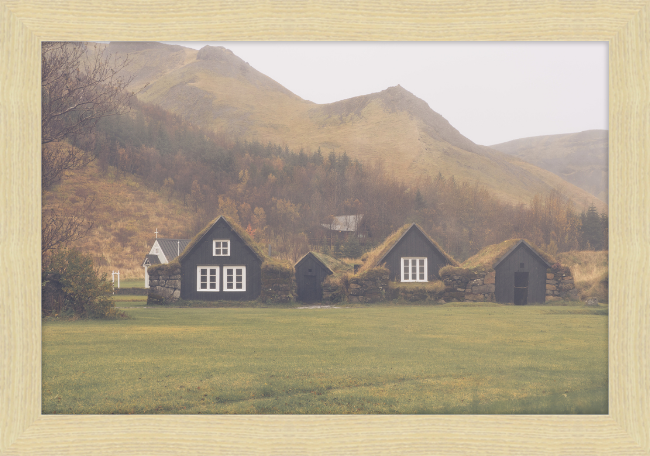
(385, 359)
(131, 283)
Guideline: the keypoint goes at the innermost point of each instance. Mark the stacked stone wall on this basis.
(560, 284)
(278, 284)
(164, 284)
(480, 286)
(471, 286)
(371, 286)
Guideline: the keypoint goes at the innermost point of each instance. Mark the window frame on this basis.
(411, 259)
(216, 275)
(225, 278)
(214, 247)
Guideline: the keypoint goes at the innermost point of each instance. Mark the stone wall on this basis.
(370, 286)
(469, 286)
(278, 283)
(479, 286)
(333, 290)
(560, 284)
(164, 284)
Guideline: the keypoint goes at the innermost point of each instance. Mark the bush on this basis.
(72, 286)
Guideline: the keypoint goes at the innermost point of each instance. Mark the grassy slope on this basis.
(393, 126)
(126, 204)
(580, 158)
(501, 359)
(590, 272)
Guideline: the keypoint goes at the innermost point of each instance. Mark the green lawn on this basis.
(386, 359)
(129, 301)
(131, 283)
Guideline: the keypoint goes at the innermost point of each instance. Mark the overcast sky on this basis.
(490, 92)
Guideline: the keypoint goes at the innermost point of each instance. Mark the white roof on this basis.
(344, 223)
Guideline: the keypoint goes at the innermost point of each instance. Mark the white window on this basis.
(221, 247)
(414, 270)
(234, 278)
(207, 278)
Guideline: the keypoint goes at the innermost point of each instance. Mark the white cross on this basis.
(156, 233)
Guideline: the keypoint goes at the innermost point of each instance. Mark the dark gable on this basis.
(521, 276)
(235, 272)
(412, 245)
(310, 273)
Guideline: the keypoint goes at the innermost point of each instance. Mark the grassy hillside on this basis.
(125, 214)
(215, 89)
(579, 158)
(590, 271)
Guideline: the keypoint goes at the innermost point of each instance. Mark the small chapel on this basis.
(162, 251)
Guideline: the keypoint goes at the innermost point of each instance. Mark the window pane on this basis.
(238, 278)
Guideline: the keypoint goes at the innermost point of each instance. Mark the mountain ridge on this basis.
(215, 89)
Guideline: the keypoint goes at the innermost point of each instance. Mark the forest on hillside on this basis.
(282, 196)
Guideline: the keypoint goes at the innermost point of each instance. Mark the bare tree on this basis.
(78, 88)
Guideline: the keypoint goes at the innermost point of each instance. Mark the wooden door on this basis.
(310, 290)
(521, 288)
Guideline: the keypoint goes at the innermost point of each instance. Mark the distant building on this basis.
(344, 226)
(162, 252)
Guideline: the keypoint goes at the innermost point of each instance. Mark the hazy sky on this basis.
(490, 92)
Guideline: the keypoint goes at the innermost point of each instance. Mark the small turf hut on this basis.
(520, 270)
(221, 263)
(311, 271)
(410, 256)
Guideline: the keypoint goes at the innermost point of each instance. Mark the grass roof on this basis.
(237, 229)
(488, 256)
(374, 256)
(336, 266)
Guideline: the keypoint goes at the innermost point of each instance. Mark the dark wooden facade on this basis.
(414, 244)
(240, 255)
(310, 273)
(521, 276)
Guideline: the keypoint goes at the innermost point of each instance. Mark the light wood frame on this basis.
(623, 23)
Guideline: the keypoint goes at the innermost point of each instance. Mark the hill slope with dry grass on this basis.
(125, 214)
(578, 158)
(215, 89)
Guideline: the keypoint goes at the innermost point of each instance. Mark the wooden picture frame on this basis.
(625, 24)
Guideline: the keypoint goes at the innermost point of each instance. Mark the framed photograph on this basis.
(25, 24)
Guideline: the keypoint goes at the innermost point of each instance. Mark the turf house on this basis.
(521, 275)
(311, 270)
(410, 256)
(514, 272)
(162, 252)
(221, 263)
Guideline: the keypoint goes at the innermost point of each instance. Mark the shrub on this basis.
(72, 286)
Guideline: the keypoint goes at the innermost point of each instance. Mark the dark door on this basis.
(310, 291)
(521, 288)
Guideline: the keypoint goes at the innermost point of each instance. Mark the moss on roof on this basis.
(488, 256)
(236, 228)
(336, 266)
(374, 256)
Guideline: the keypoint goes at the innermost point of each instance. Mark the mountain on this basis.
(579, 158)
(215, 89)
